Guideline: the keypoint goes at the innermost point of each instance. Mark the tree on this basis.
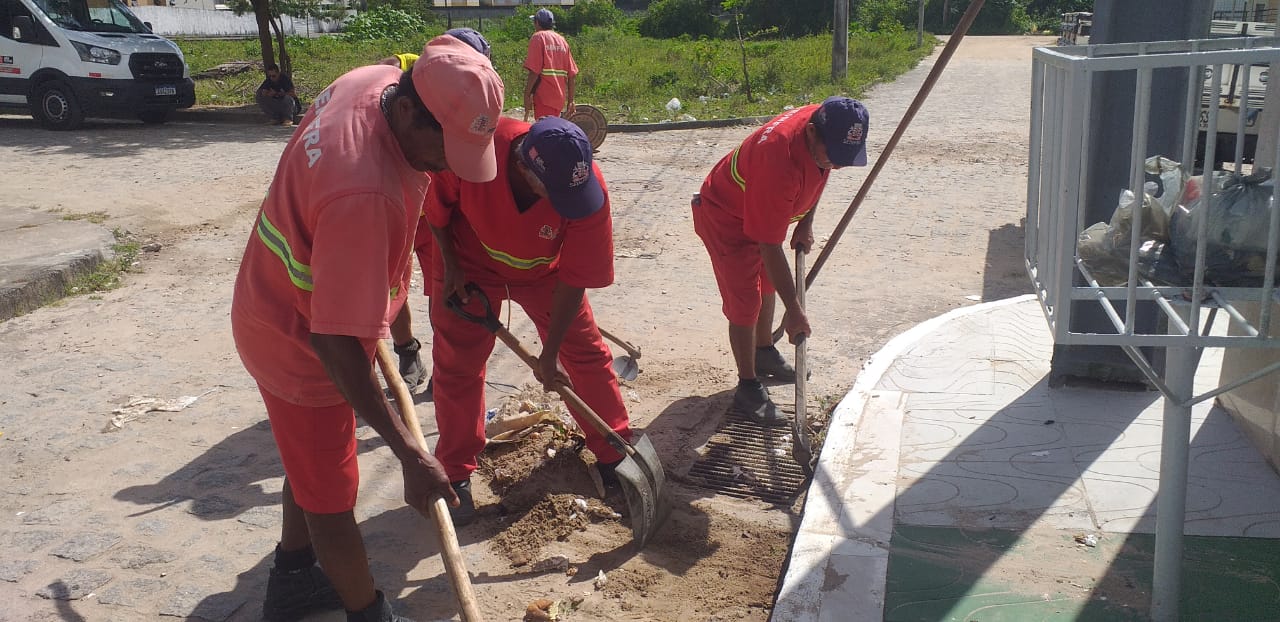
(270, 19)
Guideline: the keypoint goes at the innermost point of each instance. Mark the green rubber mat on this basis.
(945, 573)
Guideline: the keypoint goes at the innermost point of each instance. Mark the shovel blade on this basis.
(626, 368)
(644, 483)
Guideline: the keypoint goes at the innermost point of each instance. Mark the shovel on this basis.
(801, 444)
(625, 367)
(449, 550)
(640, 472)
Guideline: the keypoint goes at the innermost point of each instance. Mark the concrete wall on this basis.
(180, 22)
(1255, 406)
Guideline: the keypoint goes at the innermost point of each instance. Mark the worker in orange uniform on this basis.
(747, 202)
(407, 347)
(542, 233)
(324, 271)
(548, 88)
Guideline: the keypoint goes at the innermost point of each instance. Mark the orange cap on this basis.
(461, 89)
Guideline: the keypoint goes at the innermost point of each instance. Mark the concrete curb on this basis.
(48, 284)
(799, 598)
(249, 115)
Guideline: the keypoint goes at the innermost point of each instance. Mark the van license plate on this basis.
(166, 90)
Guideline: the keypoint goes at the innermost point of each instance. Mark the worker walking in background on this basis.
(541, 233)
(774, 178)
(548, 89)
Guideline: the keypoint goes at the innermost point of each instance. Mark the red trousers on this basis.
(461, 348)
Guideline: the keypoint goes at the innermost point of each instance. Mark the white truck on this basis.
(1238, 84)
(65, 60)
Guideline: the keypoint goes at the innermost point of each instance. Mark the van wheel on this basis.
(154, 117)
(55, 106)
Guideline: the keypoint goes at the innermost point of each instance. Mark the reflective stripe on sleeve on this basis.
(733, 170)
(299, 272)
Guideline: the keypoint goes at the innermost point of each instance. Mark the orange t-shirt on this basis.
(549, 57)
(497, 244)
(767, 183)
(330, 249)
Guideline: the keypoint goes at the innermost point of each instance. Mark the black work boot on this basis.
(379, 611)
(770, 364)
(465, 513)
(609, 475)
(411, 369)
(297, 587)
(751, 400)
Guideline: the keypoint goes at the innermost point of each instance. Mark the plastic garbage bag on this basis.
(1236, 221)
(1104, 246)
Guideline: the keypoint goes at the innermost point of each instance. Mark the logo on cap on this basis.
(579, 176)
(854, 137)
(537, 159)
(482, 126)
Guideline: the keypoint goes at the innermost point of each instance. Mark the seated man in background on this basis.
(276, 97)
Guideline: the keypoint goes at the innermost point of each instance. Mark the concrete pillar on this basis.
(1119, 21)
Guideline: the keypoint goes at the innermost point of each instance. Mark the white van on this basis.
(64, 60)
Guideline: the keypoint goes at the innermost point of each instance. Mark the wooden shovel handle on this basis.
(615, 440)
(489, 320)
(447, 536)
(632, 351)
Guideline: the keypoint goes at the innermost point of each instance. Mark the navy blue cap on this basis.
(842, 122)
(471, 38)
(545, 18)
(559, 154)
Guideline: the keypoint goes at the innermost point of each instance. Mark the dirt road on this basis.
(177, 512)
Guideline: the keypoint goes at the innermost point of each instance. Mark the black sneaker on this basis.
(292, 595)
(379, 611)
(770, 364)
(411, 369)
(465, 513)
(752, 401)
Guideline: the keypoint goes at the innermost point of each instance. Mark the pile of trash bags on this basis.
(1173, 206)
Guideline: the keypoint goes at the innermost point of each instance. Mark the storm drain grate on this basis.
(746, 460)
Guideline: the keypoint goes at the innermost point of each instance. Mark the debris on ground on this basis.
(227, 69)
(545, 609)
(601, 580)
(1089, 540)
(138, 406)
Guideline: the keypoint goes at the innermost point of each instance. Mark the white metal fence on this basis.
(1062, 93)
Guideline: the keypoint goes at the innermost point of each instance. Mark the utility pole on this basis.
(920, 25)
(840, 42)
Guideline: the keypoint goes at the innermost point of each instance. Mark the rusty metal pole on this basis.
(962, 27)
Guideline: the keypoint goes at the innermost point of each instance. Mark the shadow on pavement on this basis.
(125, 139)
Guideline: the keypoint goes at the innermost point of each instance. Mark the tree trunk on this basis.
(262, 13)
(746, 78)
(286, 63)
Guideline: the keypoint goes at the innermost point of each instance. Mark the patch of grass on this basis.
(107, 275)
(631, 78)
(96, 218)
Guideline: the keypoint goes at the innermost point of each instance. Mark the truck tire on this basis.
(153, 117)
(55, 107)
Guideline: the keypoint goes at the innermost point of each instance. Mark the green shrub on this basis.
(668, 19)
(384, 22)
(889, 15)
(586, 13)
